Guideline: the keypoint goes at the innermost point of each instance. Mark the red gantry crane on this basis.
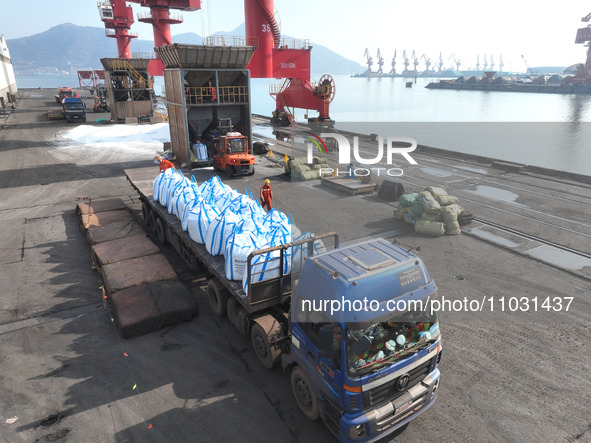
(160, 18)
(118, 18)
(290, 60)
(583, 74)
(273, 58)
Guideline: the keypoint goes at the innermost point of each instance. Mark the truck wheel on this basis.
(145, 211)
(161, 232)
(229, 171)
(252, 173)
(259, 338)
(217, 296)
(304, 393)
(152, 221)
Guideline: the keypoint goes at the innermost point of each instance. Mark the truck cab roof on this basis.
(373, 270)
(363, 259)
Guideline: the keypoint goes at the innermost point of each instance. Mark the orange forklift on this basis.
(231, 152)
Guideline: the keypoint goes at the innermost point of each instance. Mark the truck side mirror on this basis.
(325, 338)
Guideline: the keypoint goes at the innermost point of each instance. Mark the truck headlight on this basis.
(357, 431)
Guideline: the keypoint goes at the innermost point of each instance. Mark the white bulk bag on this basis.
(219, 230)
(187, 195)
(198, 230)
(167, 184)
(263, 267)
(158, 182)
(191, 209)
(238, 247)
(300, 252)
(274, 218)
(174, 192)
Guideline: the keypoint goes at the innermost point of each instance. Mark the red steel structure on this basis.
(118, 18)
(583, 74)
(160, 18)
(275, 58)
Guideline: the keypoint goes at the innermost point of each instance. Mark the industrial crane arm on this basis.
(586, 18)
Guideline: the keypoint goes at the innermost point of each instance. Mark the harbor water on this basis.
(545, 130)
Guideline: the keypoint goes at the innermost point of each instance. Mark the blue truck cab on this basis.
(74, 109)
(365, 342)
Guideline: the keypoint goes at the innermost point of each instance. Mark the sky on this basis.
(536, 33)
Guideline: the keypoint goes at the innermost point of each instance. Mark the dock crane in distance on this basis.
(492, 63)
(415, 62)
(393, 70)
(477, 62)
(427, 62)
(380, 62)
(368, 60)
(457, 62)
(440, 64)
(583, 74)
(405, 61)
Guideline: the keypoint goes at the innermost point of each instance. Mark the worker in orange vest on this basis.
(266, 195)
(164, 164)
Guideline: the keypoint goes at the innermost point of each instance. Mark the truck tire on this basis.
(268, 355)
(152, 221)
(304, 393)
(229, 171)
(252, 173)
(217, 296)
(145, 211)
(161, 232)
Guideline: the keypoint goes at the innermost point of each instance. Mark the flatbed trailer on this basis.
(362, 383)
(225, 296)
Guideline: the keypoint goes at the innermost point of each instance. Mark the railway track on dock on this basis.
(532, 237)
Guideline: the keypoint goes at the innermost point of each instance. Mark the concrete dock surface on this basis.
(515, 375)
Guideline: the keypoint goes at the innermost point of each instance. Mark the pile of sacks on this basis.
(228, 223)
(299, 169)
(432, 211)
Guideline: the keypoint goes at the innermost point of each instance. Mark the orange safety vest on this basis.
(266, 193)
(165, 164)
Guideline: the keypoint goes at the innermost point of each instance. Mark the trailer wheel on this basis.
(217, 296)
(160, 232)
(259, 338)
(152, 221)
(304, 393)
(145, 211)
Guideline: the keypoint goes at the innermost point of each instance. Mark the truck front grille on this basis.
(388, 390)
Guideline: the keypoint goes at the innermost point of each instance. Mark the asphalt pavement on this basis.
(508, 375)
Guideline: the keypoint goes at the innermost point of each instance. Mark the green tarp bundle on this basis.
(432, 211)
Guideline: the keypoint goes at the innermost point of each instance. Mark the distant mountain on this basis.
(69, 48)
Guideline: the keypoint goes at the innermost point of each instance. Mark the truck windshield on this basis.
(389, 341)
(74, 106)
(236, 145)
